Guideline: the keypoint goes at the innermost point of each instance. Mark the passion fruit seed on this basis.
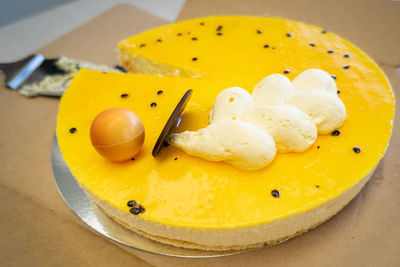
(134, 211)
(275, 193)
(132, 203)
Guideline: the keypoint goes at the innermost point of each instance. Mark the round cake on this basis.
(190, 202)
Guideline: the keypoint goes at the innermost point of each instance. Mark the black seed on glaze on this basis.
(175, 158)
(142, 45)
(159, 40)
(333, 77)
(153, 105)
(132, 203)
(275, 193)
(318, 147)
(132, 158)
(286, 71)
(289, 34)
(134, 211)
(72, 130)
(219, 28)
(266, 46)
(202, 23)
(356, 149)
(324, 31)
(194, 39)
(259, 32)
(338, 91)
(219, 33)
(317, 186)
(346, 55)
(312, 44)
(194, 59)
(124, 95)
(330, 51)
(346, 67)
(141, 209)
(160, 92)
(120, 68)
(179, 34)
(335, 133)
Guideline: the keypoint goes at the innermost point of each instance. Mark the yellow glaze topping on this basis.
(180, 190)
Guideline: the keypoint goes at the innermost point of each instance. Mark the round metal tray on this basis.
(98, 221)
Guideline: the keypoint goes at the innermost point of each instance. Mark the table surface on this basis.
(38, 229)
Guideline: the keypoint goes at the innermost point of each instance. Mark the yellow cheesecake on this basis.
(190, 202)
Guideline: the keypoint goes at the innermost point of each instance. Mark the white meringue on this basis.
(314, 79)
(246, 130)
(272, 90)
(326, 110)
(238, 143)
(292, 129)
(231, 104)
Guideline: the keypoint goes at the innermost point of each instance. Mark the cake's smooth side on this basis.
(236, 238)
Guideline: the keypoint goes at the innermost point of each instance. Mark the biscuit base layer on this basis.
(241, 238)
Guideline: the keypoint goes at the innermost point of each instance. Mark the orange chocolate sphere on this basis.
(117, 134)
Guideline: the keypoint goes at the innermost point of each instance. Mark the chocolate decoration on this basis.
(172, 123)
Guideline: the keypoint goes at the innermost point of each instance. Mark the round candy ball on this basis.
(117, 134)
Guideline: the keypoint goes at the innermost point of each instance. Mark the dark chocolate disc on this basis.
(172, 123)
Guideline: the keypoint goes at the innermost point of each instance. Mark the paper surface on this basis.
(38, 229)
